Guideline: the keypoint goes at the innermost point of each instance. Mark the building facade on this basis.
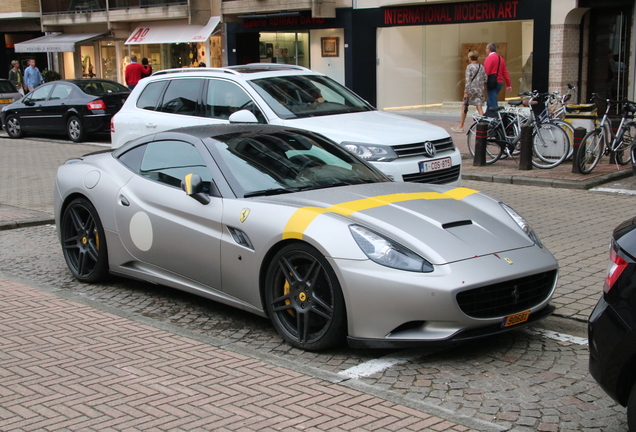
(399, 55)
(96, 38)
(19, 21)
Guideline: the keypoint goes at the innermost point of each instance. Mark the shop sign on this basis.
(453, 13)
(282, 21)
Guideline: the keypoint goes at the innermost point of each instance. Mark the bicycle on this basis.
(550, 143)
(602, 141)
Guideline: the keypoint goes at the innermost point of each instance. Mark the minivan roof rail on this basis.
(194, 70)
(269, 66)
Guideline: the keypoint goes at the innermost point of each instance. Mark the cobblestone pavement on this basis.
(521, 381)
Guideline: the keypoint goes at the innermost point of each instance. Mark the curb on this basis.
(548, 182)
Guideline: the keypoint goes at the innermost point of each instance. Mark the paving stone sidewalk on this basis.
(69, 366)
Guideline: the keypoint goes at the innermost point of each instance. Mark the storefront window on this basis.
(422, 68)
(286, 48)
(109, 61)
(87, 57)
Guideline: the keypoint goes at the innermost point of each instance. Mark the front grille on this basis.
(417, 149)
(499, 299)
(435, 177)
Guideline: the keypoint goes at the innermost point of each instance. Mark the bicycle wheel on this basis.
(550, 146)
(569, 131)
(590, 151)
(511, 121)
(493, 150)
(625, 141)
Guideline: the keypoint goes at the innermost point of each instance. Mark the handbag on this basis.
(491, 83)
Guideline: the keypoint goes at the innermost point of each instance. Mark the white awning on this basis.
(55, 42)
(162, 32)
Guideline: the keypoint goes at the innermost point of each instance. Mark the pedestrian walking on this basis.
(497, 72)
(32, 76)
(15, 76)
(473, 89)
(133, 73)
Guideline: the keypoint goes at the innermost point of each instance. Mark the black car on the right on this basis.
(612, 324)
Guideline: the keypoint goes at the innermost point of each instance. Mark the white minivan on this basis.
(403, 148)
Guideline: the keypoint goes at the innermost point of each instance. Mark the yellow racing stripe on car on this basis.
(300, 220)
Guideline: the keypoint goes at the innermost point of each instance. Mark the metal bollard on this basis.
(525, 158)
(481, 136)
(579, 133)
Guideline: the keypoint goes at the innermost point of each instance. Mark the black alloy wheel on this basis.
(304, 299)
(83, 242)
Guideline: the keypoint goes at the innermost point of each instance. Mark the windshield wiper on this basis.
(267, 192)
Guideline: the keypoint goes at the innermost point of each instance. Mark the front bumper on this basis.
(392, 308)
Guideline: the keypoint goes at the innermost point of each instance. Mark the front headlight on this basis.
(386, 252)
(523, 224)
(370, 152)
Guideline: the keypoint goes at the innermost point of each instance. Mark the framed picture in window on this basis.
(330, 46)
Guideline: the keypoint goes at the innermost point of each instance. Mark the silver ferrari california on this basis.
(283, 223)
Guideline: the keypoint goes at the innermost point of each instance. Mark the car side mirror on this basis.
(193, 186)
(29, 102)
(243, 116)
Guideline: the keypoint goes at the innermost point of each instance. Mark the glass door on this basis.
(608, 67)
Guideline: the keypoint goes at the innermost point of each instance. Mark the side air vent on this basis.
(240, 237)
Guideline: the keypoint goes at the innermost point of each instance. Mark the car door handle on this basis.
(124, 201)
(151, 125)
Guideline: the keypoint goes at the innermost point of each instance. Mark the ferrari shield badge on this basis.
(244, 214)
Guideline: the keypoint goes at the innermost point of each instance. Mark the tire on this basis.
(569, 131)
(83, 242)
(626, 140)
(550, 146)
(493, 149)
(590, 151)
(14, 127)
(304, 299)
(75, 130)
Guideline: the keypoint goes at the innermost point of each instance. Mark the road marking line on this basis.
(381, 364)
(616, 191)
(558, 336)
(373, 366)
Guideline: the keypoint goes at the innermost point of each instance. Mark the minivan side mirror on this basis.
(243, 116)
(193, 186)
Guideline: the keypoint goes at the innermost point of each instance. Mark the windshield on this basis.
(298, 96)
(282, 161)
(99, 87)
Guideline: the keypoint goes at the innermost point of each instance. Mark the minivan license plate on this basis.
(435, 165)
(517, 318)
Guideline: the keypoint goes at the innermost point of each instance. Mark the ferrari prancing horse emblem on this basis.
(244, 214)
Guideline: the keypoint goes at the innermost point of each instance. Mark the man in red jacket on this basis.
(495, 64)
(133, 72)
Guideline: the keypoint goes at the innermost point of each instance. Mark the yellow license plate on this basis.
(515, 319)
(6, 100)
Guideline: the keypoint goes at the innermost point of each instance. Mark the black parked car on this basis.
(75, 107)
(612, 324)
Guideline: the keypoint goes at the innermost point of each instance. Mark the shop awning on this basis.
(55, 42)
(170, 32)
